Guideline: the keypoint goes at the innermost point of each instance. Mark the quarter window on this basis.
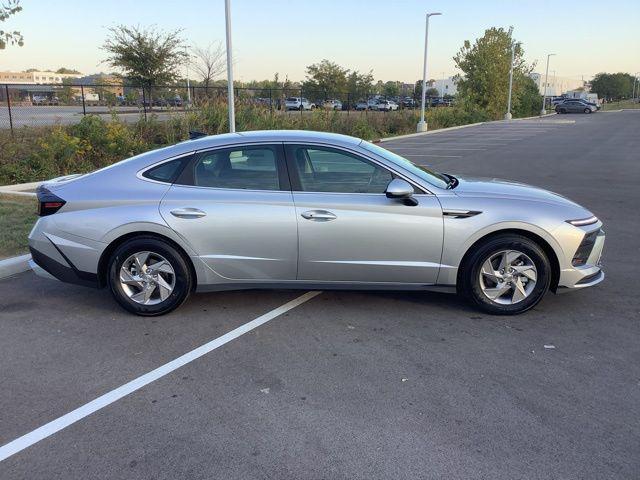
(329, 170)
(251, 168)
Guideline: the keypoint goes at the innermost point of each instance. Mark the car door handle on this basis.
(188, 212)
(318, 215)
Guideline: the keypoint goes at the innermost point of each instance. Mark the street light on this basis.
(635, 80)
(230, 97)
(508, 115)
(422, 125)
(546, 80)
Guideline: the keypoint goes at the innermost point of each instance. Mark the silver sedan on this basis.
(298, 209)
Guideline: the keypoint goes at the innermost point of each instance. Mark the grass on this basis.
(17, 216)
(621, 104)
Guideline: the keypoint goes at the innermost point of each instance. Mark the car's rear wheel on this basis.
(149, 277)
(506, 275)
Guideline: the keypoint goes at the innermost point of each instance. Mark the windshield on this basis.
(434, 178)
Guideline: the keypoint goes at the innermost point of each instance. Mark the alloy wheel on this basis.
(508, 277)
(147, 278)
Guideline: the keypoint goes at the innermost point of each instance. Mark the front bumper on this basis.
(589, 274)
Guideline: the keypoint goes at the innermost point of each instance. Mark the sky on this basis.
(387, 37)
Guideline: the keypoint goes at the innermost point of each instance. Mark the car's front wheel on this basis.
(587, 110)
(506, 275)
(149, 277)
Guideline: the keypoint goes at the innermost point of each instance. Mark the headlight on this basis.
(583, 221)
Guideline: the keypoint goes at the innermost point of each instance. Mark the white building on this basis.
(34, 78)
(445, 86)
(556, 85)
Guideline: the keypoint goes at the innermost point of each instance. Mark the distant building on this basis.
(445, 86)
(34, 78)
(556, 85)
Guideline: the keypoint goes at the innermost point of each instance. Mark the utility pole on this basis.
(230, 96)
(546, 80)
(422, 125)
(508, 115)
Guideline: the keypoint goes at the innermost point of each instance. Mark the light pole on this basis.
(546, 80)
(635, 80)
(508, 115)
(422, 125)
(230, 97)
(188, 86)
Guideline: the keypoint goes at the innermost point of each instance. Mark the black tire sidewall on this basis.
(470, 273)
(183, 283)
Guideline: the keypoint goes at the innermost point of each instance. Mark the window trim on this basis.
(296, 185)
(281, 167)
(141, 172)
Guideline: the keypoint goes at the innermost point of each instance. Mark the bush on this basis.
(40, 153)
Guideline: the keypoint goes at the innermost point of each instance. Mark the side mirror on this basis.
(401, 189)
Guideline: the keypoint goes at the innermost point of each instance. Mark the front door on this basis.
(234, 206)
(350, 231)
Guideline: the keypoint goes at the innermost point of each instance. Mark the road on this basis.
(354, 385)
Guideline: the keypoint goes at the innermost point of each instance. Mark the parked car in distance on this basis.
(298, 103)
(175, 101)
(307, 210)
(372, 104)
(387, 106)
(362, 105)
(575, 106)
(408, 102)
(332, 104)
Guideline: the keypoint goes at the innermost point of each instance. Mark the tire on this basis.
(128, 290)
(473, 283)
(587, 110)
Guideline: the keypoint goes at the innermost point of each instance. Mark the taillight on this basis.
(48, 203)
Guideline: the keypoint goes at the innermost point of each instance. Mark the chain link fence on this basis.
(66, 104)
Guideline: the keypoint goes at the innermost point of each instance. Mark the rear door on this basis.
(234, 206)
(349, 231)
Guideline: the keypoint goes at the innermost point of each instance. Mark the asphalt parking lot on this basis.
(354, 385)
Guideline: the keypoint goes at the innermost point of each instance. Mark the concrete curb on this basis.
(20, 188)
(430, 132)
(457, 127)
(14, 265)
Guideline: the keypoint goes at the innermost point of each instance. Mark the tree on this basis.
(391, 89)
(7, 9)
(325, 78)
(70, 71)
(484, 81)
(417, 91)
(612, 85)
(432, 92)
(359, 85)
(147, 57)
(209, 62)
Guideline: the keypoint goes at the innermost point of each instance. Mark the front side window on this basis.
(250, 168)
(323, 169)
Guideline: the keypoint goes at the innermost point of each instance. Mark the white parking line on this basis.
(72, 417)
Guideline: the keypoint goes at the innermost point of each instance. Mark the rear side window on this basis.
(250, 168)
(167, 172)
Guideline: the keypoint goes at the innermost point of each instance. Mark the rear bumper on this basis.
(47, 267)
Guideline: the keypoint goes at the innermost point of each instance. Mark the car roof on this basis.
(267, 136)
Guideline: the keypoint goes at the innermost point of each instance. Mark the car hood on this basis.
(499, 188)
